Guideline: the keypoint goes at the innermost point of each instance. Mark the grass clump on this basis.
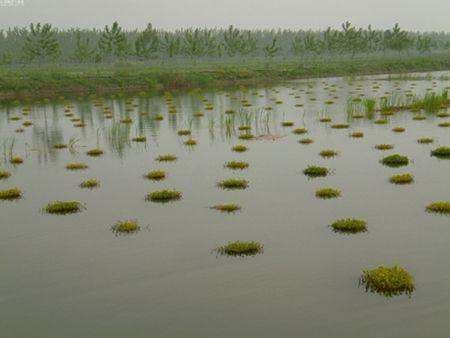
(241, 248)
(402, 179)
(306, 141)
(380, 121)
(230, 208)
(139, 139)
(439, 207)
(163, 196)
(190, 142)
(384, 146)
(94, 152)
(425, 140)
(246, 136)
(315, 171)
(357, 134)
(155, 175)
(389, 281)
(328, 153)
(287, 124)
(327, 193)
(166, 158)
(16, 160)
(125, 227)
(10, 194)
(340, 126)
(441, 152)
(76, 166)
(325, 119)
(398, 129)
(395, 160)
(184, 132)
(235, 165)
(300, 131)
(4, 174)
(239, 148)
(60, 146)
(233, 184)
(63, 208)
(90, 184)
(349, 225)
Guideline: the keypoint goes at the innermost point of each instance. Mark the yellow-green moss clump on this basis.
(241, 248)
(246, 136)
(287, 124)
(156, 175)
(233, 184)
(60, 146)
(402, 179)
(300, 131)
(328, 153)
(230, 208)
(425, 140)
(395, 161)
(349, 225)
(439, 207)
(315, 171)
(190, 142)
(327, 193)
(340, 126)
(125, 227)
(441, 152)
(235, 165)
(357, 134)
(76, 166)
(183, 132)
(239, 148)
(139, 139)
(384, 146)
(63, 208)
(90, 184)
(166, 158)
(94, 152)
(4, 174)
(398, 130)
(10, 194)
(164, 196)
(388, 281)
(305, 141)
(16, 160)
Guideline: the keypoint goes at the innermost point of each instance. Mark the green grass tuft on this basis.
(349, 225)
(164, 196)
(315, 171)
(388, 281)
(236, 165)
(300, 131)
(239, 148)
(90, 184)
(10, 194)
(125, 227)
(166, 158)
(441, 152)
(76, 166)
(4, 174)
(94, 152)
(328, 153)
(402, 179)
(241, 248)
(155, 175)
(233, 184)
(230, 208)
(384, 146)
(63, 208)
(327, 193)
(425, 140)
(306, 141)
(395, 161)
(439, 207)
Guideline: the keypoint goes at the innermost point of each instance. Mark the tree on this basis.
(396, 39)
(423, 44)
(113, 41)
(270, 50)
(41, 43)
(197, 42)
(147, 43)
(83, 51)
(232, 40)
(170, 44)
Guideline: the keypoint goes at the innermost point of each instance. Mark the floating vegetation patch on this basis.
(443, 115)
(155, 175)
(398, 130)
(245, 128)
(229, 111)
(419, 117)
(16, 160)
(76, 166)
(357, 134)
(380, 121)
(349, 225)
(300, 131)
(237, 165)
(246, 136)
(287, 124)
(388, 281)
(79, 125)
(94, 152)
(425, 140)
(127, 120)
(315, 171)
(230, 208)
(395, 161)
(384, 146)
(241, 249)
(4, 174)
(10, 194)
(90, 184)
(328, 193)
(139, 139)
(157, 118)
(306, 141)
(439, 207)
(64, 208)
(233, 184)
(164, 196)
(441, 152)
(239, 148)
(183, 132)
(190, 142)
(125, 227)
(27, 123)
(340, 126)
(60, 146)
(444, 124)
(166, 158)
(328, 153)
(402, 179)
(325, 119)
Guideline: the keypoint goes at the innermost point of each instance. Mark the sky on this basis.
(416, 15)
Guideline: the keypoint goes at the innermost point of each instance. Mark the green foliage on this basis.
(147, 43)
(349, 225)
(4, 174)
(10, 194)
(63, 208)
(236, 165)
(40, 43)
(164, 196)
(388, 281)
(83, 51)
(441, 152)
(166, 158)
(439, 207)
(384, 146)
(315, 171)
(239, 148)
(125, 227)
(233, 184)
(76, 166)
(395, 160)
(425, 140)
(240, 248)
(327, 193)
(90, 184)
(156, 175)
(230, 208)
(271, 49)
(402, 179)
(328, 153)
(113, 42)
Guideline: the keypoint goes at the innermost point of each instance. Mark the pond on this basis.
(75, 275)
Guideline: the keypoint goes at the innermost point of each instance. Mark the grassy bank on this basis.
(51, 80)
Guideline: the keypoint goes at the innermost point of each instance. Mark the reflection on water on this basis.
(70, 276)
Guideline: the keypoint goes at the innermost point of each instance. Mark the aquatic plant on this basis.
(439, 207)
(287, 124)
(395, 160)
(384, 146)
(127, 120)
(94, 152)
(4, 174)
(76, 166)
(441, 152)
(402, 179)
(315, 171)
(241, 248)
(306, 141)
(157, 117)
(125, 227)
(60, 146)
(230, 208)
(156, 175)
(163, 196)
(166, 158)
(229, 111)
(340, 126)
(444, 124)
(327, 193)
(300, 131)
(388, 281)
(27, 123)
(233, 184)
(357, 134)
(16, 160)
(90, 184)
(139, 139)
(183, 132)
(325, 119)
(380, 121)
(328, 153)
(236, 165)
(349, 225)
(398, 129)
(246, 136)
(10, 194)
(425, 140)
(419, 118)
(239, 148)
(63, 208)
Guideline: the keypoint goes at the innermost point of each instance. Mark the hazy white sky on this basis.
(422, 15)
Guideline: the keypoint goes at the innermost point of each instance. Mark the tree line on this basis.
(43, 43)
